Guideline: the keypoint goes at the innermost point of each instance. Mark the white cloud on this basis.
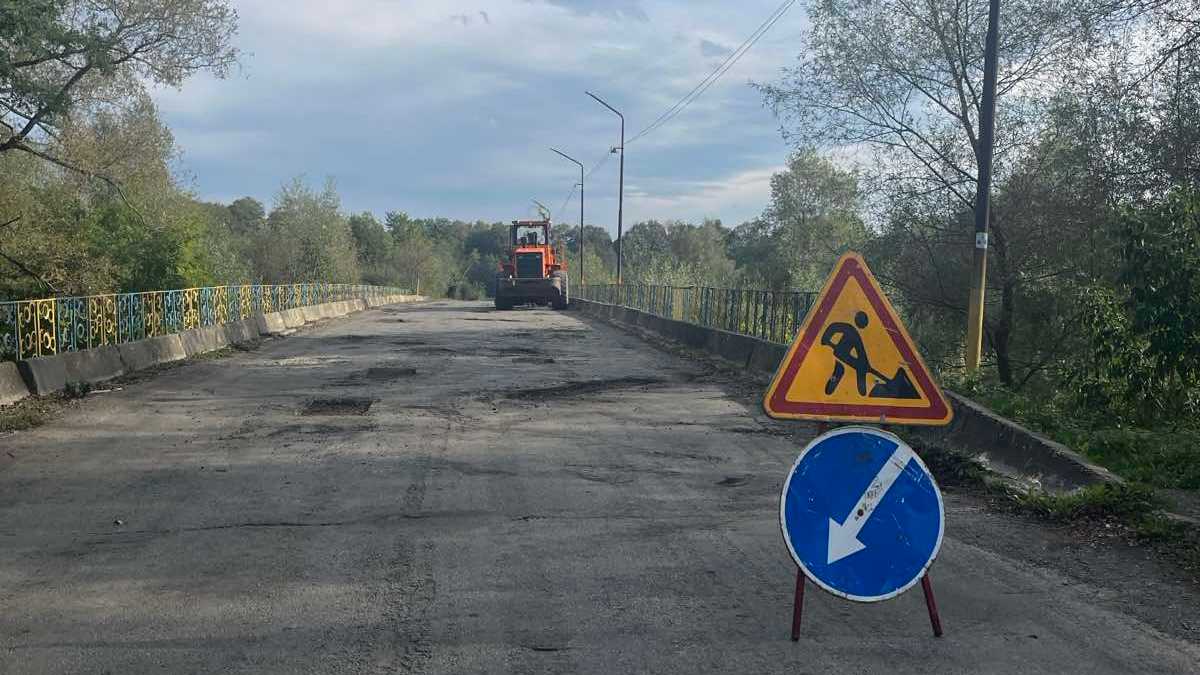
(413, 109)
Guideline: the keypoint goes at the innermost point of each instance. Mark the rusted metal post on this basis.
(798, 605)
(935, 620)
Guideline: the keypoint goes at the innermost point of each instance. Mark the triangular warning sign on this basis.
(853, 361)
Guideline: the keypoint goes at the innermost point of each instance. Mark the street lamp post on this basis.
(621, 183)
(572, 159)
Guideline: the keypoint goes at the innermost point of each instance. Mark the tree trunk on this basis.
(1002, 334)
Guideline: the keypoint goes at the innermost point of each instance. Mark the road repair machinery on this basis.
(535, 271)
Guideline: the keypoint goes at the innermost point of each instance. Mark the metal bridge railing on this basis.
(31, 328)
(774, 316)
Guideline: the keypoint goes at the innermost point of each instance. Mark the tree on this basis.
(370, 239)
(1162, 272)
(61, 60)
(246, 216)
(307, 238)
(904, 81)
(812, 218)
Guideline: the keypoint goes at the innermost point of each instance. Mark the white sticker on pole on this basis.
(981, 240)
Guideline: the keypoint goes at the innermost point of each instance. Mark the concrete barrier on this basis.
(271, 324)
(1000, 443)
(50, 374)
(152, 352)
(94, 365)
(203, 340)
(44, 375)
(12, 385)
(320, 312)
(242, 331)
(292, 318)
(1008, 447)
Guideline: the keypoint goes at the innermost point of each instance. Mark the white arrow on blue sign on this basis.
(861, 514)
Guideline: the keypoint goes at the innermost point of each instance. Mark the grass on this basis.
(1122, 501)
(1130, 509)
(1166, 459)
(1161, 458)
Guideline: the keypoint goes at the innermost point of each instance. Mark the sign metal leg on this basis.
(798, 605)
(930, 603)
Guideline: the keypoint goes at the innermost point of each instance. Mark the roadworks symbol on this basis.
(853, 361)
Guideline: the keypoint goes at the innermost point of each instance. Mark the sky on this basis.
(449, 108)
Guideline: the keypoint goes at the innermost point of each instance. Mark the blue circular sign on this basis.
(861, 514)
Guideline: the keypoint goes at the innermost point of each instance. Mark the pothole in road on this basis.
(434, 350)
(409, 343)
(511, 351)
(767, 431)
(733, 481)
(378, 374)
(302, 430)
(388, 373)
(345, 405)
(310, 361)
(584, 388)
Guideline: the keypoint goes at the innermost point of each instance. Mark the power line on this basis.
(716, 74)
(566, 201)
(597, 165)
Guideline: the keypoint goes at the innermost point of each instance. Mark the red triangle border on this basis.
(777, 404)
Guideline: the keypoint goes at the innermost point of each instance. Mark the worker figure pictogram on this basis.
(848, 349)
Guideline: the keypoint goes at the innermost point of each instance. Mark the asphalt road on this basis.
(528, 492)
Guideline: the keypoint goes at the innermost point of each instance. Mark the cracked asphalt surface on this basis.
(441, 488)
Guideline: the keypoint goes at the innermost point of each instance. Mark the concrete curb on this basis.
(12, 385)
(152, 352)
(1000, 443)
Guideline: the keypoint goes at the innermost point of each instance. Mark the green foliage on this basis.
(61, 58)
(677, 253)
(1162, 272)
(307, 238)
(1160, 458)
(812, 218)
(1102, 500)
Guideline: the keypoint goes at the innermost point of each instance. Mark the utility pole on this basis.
(983, 155)
(621, 183)
(572, 159)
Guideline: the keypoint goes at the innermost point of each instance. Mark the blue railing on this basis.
(774, 316)
(31, 328)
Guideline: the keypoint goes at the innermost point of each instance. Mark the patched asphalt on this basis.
(442, 488)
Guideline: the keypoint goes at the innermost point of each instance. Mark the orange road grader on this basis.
(535, 271)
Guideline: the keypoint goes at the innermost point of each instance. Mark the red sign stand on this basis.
(935, 620)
